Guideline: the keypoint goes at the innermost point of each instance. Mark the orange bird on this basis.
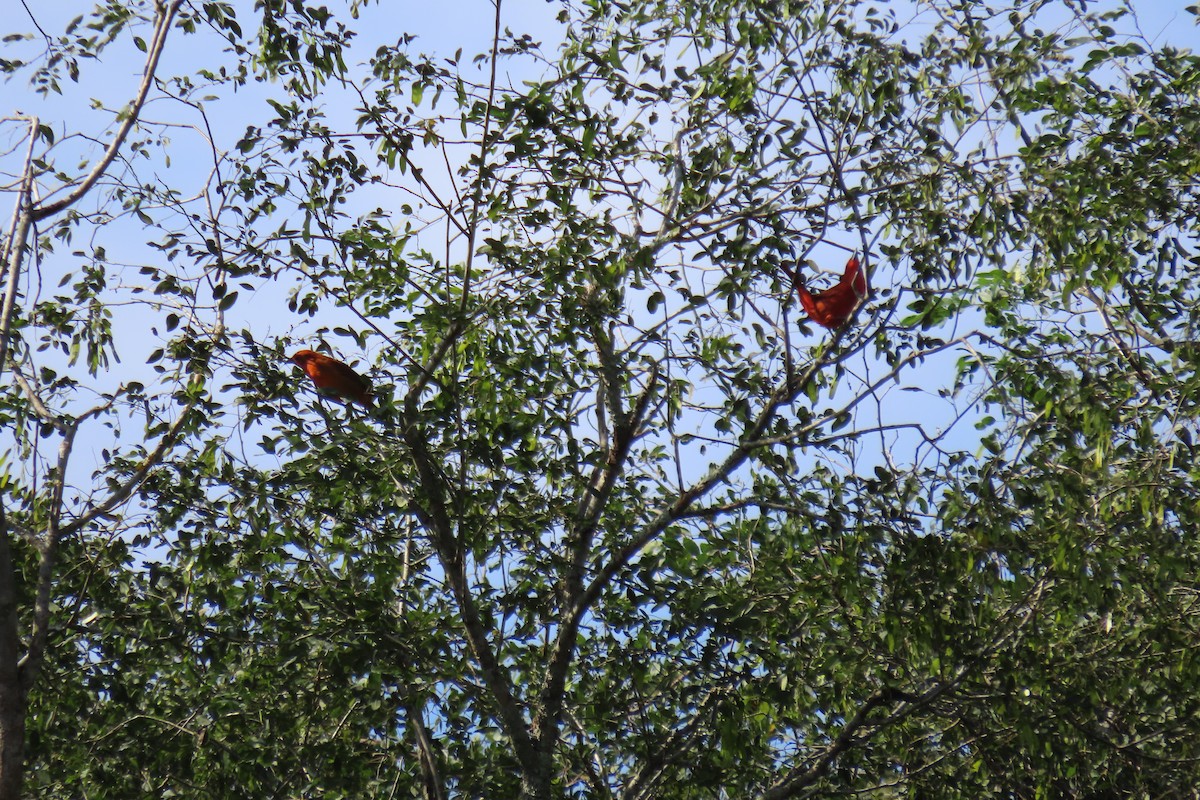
(334, 379)
(833, 307)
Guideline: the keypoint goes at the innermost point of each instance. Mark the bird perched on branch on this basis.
(334, 379)
(833, 307)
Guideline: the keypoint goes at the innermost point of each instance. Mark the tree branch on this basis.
(642, 785)
(425, 755)
(31, 662)
(800, 779)
(550, 699)
(785, 393)
(1018, 615)
(431, 510)
(15, 250)
(152, 460)
(162, 25)
(458, 327)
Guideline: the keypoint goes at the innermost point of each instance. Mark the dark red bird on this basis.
(833, 307)
(334, 379)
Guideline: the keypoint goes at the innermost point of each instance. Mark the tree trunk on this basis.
(12, 695)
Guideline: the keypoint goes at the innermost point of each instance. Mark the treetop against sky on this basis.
(624, 480)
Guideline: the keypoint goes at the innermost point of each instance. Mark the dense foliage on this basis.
(626, 524)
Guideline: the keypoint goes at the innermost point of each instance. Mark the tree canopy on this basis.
(625, 521)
